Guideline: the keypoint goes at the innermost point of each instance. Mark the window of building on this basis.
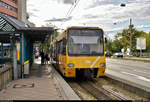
(13, 1)
(8, 6)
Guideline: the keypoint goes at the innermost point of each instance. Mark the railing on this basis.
(143, 54)
(5, 76)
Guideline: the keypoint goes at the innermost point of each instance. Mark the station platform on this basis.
(132, 75)
(43, 83)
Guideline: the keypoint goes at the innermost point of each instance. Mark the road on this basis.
(134, 71)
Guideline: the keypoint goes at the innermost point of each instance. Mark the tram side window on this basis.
(64, 46)
(55, 49)
(60, 50)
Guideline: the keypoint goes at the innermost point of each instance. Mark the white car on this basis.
(118, 54)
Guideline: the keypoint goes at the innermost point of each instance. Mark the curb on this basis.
(140, 60)
(69, 93)
(130, 86)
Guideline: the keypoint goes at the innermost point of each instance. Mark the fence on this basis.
(143, 54)
(5, 76)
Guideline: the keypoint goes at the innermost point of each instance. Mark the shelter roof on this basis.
(9, 26)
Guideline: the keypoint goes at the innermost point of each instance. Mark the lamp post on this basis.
(130, 29)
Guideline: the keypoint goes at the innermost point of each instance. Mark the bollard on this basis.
(11, 71)
(2, 80)
(5, 78)
(9, 75)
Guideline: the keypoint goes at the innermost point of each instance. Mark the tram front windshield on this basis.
(85, 42)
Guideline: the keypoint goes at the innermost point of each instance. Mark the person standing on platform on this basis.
(46, 58)
(42, 57)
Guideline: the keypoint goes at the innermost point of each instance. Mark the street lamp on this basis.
(122, 5)
(130, 29)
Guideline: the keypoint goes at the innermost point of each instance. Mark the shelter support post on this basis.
(50, 37)
(22, 57)
(15, 69)
(31, 53)
(2, 50)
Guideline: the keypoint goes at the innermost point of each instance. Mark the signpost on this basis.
(141, 44)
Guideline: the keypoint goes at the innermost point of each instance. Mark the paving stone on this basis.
(43, 89)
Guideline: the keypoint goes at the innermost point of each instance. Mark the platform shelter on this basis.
(21, 37)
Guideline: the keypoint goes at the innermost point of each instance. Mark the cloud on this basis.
(30, 5)
(59, 19)
(32, 14)
(100, 13)
(66, 1)
(89, 16)
(35, 10)
(96, 3)
(136, 10)
(114, 29)
(143, 26)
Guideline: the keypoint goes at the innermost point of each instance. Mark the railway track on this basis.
(95, 90)
(100, 89)
(99, 95)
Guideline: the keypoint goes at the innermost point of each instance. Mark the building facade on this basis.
(14, 8)
(9, 7)
(22, 10)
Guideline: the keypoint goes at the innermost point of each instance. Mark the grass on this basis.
(132, 59)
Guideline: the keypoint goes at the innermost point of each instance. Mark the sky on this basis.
(106, 14)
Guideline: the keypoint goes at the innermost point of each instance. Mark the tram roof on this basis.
(83, 27)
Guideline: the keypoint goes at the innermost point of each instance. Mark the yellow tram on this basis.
(79, 51)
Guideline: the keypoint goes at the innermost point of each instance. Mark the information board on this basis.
(141, 43)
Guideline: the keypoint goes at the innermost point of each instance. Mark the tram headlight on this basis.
(102, 64)
(71, 65)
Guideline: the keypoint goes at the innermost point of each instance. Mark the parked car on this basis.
(108, 54)
(119, 54)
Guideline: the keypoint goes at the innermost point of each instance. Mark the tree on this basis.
(117, 46)
(108, 46)
(122, 40)
(46, 46)
(147, 36)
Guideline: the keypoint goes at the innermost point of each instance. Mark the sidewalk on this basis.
(39, 86)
